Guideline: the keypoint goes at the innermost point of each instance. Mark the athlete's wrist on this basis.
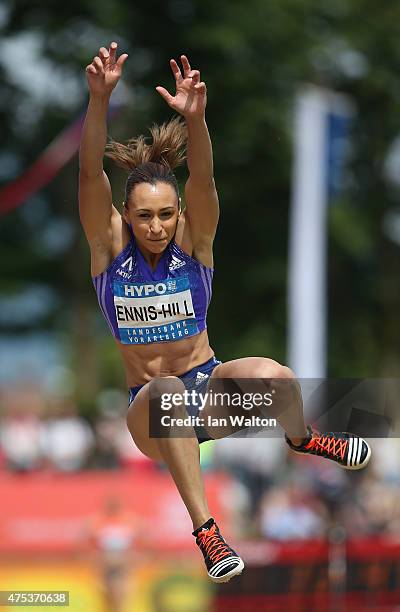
(195, 120)
(100, 97)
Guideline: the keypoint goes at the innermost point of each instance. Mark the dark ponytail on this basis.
(149, 163)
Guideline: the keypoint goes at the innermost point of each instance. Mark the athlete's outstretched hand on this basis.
(190, 98)
(105, 71)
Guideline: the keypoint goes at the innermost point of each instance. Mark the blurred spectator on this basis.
(110, 535)
(107, 431)
(256, 462)
(386, 459)
(328, 483)
(66, 438)
(114, 445)
(20, 429)
(291, 513)
(371, 508)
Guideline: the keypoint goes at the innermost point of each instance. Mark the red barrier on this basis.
(47, 512)
(306, 577)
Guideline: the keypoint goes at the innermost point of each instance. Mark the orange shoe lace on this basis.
(328, 444)
(213, 545)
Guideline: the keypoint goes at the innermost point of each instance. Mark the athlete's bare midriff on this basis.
(142, 363)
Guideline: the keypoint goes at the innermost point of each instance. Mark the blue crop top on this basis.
(142, 306)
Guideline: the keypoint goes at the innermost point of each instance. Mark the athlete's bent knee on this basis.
(165, 385)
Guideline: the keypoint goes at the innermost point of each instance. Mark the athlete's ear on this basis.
(180, 204)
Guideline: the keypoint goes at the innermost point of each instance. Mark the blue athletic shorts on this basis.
(197, 378)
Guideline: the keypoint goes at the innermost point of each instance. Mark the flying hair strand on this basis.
(168, 147)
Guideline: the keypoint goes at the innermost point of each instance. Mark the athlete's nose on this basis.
(155, 225)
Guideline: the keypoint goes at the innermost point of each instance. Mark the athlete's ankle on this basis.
(299, 441)
(205, 525)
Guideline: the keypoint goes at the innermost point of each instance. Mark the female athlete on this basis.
(152, 269)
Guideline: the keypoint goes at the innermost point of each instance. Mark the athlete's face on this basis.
(153, 213)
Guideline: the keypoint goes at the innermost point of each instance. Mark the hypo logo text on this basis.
(141, 290)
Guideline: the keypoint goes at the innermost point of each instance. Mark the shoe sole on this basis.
(345, 467)
(235, 572)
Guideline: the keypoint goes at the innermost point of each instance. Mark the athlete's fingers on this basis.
(103, 54)
(195, 76)
(121, 60)
(98, 64)
(165, 94)
(91, 69)
(113, 52)
(94, 68)
(175, 70)
(185, 64)
(201, 88)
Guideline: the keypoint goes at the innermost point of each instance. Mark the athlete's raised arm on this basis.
(201, 197)
(95, 200)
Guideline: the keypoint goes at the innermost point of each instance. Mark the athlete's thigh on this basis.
(245, 377)
(249, 367)
(138, 425)
(248, 376)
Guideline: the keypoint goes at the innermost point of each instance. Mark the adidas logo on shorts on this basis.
(200, 377)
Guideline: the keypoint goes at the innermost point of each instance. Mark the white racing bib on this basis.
(158, 311)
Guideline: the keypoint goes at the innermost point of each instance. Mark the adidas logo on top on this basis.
(176, 263)
(200, 377)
